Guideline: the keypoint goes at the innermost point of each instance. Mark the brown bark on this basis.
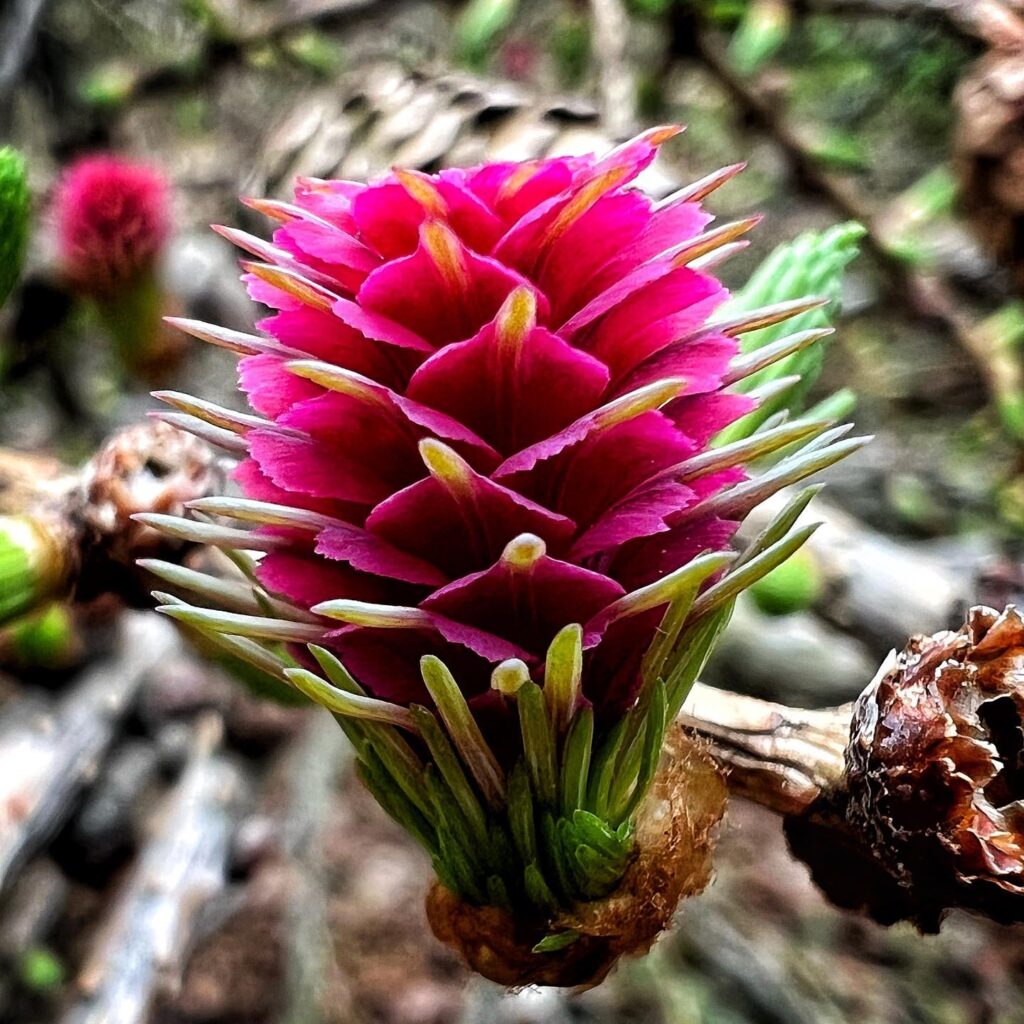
(781, 757)
(144, 943)
(910, 801)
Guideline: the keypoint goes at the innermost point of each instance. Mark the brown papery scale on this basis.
(152, 467)
(82, 534)
(675, 837)
(931, 812)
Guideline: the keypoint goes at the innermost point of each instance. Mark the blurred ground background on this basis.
(199, 864)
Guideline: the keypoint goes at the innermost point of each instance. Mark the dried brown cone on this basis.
(675, 837)
(149, 468)
(989, 138)
(930, 815)
(76, 526)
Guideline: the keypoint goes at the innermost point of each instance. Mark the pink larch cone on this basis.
(112, 218)
(479, 460)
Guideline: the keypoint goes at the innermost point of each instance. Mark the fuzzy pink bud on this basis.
(112, 219)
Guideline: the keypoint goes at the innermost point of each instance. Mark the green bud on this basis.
(765, 27)
(31, 567)
(14, 211)
(109, 86)
(47, 639)
(480, 25)
(315, 51)
(790, 587)
(40, 970)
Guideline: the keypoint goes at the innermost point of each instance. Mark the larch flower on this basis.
(113, 221)
(112, 218)
(480, 483)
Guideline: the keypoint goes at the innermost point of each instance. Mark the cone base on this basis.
(675, 837)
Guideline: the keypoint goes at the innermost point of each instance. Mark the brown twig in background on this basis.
(315, 766)
(972, 19)
(929, 295)
(17, 30)
(308, 14)
(146, 941)
(50, 753)
(878, 589)
(616, 86)
(783, 758)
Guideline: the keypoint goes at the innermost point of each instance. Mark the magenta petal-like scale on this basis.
(488, 383)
